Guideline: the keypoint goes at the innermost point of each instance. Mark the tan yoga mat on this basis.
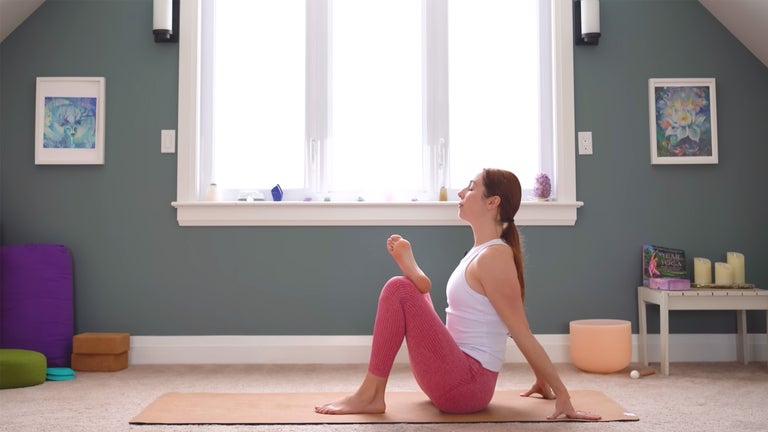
(402, 407)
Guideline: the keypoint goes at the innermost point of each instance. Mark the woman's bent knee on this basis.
(399, 284)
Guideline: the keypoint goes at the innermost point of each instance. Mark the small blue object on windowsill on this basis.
(277, 193)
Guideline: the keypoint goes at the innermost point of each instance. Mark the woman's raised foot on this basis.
(401, 251)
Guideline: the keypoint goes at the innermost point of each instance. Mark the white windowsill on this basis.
(270, 213)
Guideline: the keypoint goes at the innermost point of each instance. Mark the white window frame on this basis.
(190, 211)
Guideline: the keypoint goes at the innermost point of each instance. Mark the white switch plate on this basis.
(167, 141)
(585, 143)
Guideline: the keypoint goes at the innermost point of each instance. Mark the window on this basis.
(332, 93)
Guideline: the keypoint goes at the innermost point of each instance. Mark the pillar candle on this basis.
(723, 274)
(213, 193)
(702, 271)
(736, 260)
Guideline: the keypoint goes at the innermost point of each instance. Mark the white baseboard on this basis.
(356, 349)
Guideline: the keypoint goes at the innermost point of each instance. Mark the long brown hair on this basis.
(506, 186)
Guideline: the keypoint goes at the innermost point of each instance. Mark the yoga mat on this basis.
(402, 407)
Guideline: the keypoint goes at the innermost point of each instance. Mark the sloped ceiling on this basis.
(13, 13)
(746, 19)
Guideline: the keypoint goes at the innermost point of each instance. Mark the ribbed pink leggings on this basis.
(454, 381)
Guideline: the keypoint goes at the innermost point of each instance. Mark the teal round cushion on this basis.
(21, 368)
(59, 374)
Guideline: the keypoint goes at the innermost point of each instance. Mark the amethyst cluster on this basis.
(543, 187)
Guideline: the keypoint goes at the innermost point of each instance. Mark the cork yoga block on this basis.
(601, 345)
(101, 343)
(99, 362)
(100, 352)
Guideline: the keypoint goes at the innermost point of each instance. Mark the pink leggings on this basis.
(454, 381)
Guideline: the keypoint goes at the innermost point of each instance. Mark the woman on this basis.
(456, 364)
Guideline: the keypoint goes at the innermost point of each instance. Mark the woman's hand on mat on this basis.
(563, 407)
(541, 388)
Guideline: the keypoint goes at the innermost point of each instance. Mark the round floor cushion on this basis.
(21, 368)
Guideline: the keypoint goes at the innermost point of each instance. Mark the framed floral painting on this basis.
(683, 120)
(69, 121)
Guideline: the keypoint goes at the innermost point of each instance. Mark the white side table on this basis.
(740, 300)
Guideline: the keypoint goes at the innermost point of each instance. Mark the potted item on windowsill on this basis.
(542, 188)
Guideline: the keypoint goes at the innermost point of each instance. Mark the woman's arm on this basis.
(493, 274)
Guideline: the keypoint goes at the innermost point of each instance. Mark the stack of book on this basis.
(665, 268)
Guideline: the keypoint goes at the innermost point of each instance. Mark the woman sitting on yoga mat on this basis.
(456, 364)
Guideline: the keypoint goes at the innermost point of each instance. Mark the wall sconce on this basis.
(165, 20)
(586, 22)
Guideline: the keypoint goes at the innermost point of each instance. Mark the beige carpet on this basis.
(402, 407)
(696, 397)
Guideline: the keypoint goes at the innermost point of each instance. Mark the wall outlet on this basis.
(585, 143)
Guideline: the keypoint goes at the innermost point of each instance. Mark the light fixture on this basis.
(165, 20)
(586, 22)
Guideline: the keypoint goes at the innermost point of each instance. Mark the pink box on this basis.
(669, 284)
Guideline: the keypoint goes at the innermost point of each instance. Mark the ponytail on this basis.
(511, 236)
(506, 186)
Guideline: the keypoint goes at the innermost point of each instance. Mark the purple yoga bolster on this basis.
(36, 309)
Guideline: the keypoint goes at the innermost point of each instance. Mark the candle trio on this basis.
(729, 273)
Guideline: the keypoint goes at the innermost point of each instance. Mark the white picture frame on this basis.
(69, 120)
(683, 120)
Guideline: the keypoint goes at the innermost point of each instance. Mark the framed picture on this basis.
(69, 121)
(683, 120)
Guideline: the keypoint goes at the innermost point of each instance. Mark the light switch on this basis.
(167, 141)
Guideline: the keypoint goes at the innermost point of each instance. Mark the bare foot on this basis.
(352, 404)
(400, 249)
(368, 399)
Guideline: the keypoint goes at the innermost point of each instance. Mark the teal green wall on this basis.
(136, 270)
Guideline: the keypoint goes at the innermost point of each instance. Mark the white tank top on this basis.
(471, 319)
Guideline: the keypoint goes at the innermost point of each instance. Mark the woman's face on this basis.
(472, 198)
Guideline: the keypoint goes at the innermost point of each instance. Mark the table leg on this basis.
(664, 336)
(642, 332)
(742, 345)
